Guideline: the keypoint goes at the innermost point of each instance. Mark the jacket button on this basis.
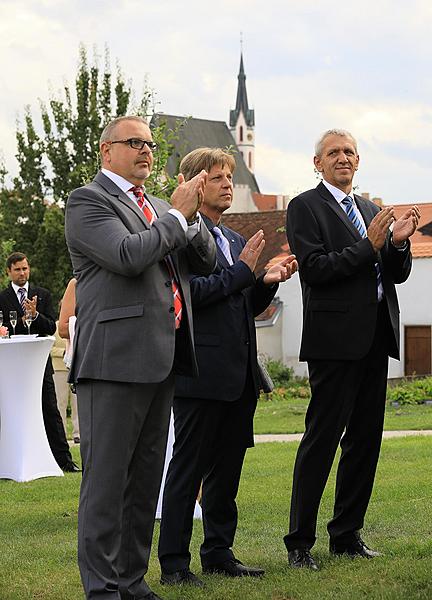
(171, 309)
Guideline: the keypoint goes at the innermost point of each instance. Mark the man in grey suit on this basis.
(132, 255)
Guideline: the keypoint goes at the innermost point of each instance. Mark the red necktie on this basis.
(150, 216)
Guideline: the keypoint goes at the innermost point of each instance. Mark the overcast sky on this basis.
(310, 65)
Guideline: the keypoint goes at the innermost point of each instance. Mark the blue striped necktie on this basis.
(348, 205)
(349, 209)
(223, 244)
(22, 292)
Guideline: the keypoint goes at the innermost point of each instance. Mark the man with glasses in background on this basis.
(132, 256)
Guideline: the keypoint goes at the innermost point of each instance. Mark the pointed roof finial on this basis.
(242, 101)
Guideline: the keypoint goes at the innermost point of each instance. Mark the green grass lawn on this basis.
(284, 413)
(39, 519)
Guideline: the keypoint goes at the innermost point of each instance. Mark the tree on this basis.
(64, 156)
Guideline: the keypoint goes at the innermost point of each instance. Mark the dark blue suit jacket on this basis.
(224, 306)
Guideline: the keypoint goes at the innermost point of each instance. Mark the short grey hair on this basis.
(342, 132)
(109, 129)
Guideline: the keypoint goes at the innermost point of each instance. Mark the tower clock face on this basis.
(249, 137)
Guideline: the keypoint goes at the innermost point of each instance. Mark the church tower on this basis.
(242, 122)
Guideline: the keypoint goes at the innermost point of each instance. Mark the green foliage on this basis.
(159, 183)
(280, 373)
(413, 391)
(64, 156)
(52, 268)
(6, 248)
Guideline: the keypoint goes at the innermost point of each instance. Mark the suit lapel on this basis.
(113, 190)
(334, 205)
(220, 256)
(13, 300)
(235, 248)
(365, 209)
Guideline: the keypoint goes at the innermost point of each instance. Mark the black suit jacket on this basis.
(45, 324)
(338, 277)
(224, 306)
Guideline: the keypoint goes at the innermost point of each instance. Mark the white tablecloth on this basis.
(168, 455)
(24, 450)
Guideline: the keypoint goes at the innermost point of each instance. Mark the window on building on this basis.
(241, 133)
(250, 160)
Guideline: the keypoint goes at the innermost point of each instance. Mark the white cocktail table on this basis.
(24, 450)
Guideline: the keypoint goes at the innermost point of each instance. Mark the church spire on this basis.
(242, 101)
(242, 121)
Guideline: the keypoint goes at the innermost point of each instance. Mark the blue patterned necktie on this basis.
(223, 244)
(349, 209)
(348, 205)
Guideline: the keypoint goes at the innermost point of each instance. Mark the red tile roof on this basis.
(265, 201)
(421, 244)
(272, 222)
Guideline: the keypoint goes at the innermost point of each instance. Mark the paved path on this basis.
(296, 437)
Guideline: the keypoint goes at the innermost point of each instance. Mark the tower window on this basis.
(250, 160)
(241, 133)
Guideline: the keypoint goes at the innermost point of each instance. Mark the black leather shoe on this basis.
(356, 547)
(149, 596)
(71, 467)
(181, 577)
(233, 568)
(301, 558)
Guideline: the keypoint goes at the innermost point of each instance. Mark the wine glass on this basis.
(13, 319)
(28, 320)
(1, 318)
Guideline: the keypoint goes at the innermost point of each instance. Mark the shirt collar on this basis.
(120, 181)
(18, 287)
(337, 194)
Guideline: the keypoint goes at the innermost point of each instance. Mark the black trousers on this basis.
(211, 438)
(53, 422)
(347, 406)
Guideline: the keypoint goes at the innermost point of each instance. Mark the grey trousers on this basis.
(124, 429)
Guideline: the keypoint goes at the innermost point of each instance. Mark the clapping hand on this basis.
(379, 226)
(30, 305)
(405, 226)
(188, 196)
(281, 271)
(252, 250)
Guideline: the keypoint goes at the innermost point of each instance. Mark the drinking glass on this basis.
(13, 319)
(1, 318)
(28, 320)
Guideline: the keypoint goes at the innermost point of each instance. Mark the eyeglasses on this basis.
(137, 144)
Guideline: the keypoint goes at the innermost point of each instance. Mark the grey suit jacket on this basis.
(124, 304)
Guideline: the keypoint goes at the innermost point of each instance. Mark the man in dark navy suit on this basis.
(213, 414)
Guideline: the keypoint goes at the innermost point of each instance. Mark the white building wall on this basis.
(242, 200)
(415, 303)
(269, 340)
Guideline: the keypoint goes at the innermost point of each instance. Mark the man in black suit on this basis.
(213, 414)
(20, 296)
(349, 262)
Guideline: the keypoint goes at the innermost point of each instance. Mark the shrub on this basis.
(411, 392)
(280, 373)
